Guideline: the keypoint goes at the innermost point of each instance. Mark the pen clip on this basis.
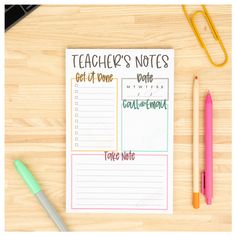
(203, 183)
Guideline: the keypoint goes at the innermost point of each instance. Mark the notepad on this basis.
(119, 130)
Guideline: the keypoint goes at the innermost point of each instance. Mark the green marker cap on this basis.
(27, 176)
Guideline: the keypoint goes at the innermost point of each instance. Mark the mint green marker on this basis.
(36, 190)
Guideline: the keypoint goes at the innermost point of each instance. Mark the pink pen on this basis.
(207, 175)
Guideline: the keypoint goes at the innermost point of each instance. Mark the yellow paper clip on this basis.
(215, 34)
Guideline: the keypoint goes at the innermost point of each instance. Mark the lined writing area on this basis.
(94, 116)
(140, 184)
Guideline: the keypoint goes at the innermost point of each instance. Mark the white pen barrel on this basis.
(196, 136)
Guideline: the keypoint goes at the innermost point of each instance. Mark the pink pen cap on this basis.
(207, 175)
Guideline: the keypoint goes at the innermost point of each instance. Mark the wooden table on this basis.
(35, 110)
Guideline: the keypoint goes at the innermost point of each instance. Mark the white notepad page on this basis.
(119, 130)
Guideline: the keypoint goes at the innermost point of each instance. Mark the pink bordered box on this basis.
(140, 185)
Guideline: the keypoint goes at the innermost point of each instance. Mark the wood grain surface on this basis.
(35, 109)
